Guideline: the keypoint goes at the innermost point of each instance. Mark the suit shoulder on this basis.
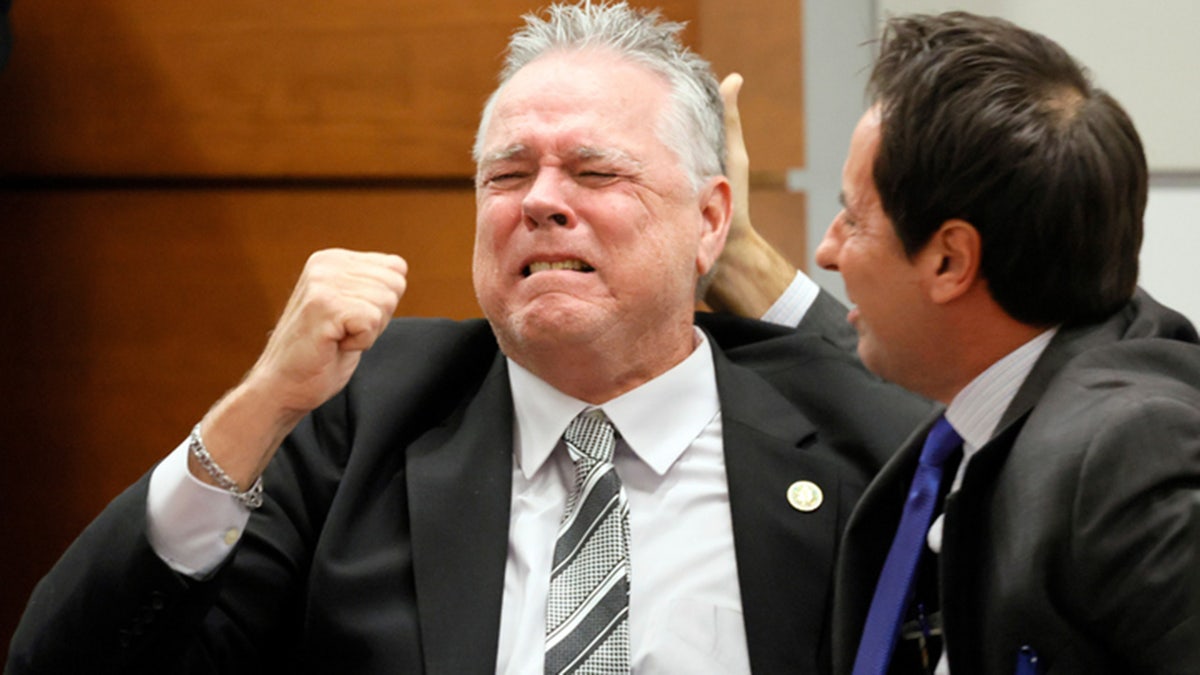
(425, 358)
(763, 345)
(1121, 396)
(854, 411)
(432, 341)
(1131, 368)
(730, 332)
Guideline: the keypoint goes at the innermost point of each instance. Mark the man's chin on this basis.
(869, 355)
(549, 327)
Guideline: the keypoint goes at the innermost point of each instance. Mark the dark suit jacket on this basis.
(382, 544)
(1076, 531)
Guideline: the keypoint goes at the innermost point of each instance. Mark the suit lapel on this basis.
(459, 487)
(784, 555)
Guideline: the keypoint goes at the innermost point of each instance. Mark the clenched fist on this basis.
(339, 307)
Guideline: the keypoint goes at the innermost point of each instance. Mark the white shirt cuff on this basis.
(191, 525)
(795, 302)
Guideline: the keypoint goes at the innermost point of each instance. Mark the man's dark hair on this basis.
(985, 121)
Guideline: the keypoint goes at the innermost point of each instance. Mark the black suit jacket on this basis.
(1076, 531)
(382, 544)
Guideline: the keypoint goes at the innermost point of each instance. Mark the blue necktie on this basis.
(894, 590)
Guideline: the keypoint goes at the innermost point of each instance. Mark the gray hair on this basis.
(693, 126)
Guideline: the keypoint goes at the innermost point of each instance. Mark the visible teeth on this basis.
(575, 265)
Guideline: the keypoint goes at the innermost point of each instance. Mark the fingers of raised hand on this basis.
(731, 86)
(349, 297)
(737, 160)
(340, 294)
(339, 307)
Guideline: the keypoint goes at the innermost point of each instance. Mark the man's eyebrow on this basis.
(504, 154)
(592, 152)
(611, 154)
(581, 153)
(842, 199)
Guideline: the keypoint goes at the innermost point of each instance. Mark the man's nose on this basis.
(546, 203)
(827, 250)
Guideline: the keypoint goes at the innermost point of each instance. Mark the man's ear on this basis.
(716, 211)
(952, 257)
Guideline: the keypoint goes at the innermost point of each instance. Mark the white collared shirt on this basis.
(685, 606)
(975, 411)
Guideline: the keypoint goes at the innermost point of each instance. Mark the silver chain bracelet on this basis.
(251, 499)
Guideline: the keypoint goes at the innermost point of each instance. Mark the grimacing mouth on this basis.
(544, 266)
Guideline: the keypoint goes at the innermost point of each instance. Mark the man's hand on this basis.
(750, 274)
(339, 307)
(737, 160)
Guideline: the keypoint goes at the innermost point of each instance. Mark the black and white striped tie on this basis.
(587, 609)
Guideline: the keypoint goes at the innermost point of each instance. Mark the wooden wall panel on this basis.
(780, 216)
(761, 40)
(252, 88)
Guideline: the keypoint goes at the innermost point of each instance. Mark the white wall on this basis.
(1145, 54)
(1170, 261)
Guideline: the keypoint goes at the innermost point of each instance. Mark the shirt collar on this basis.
(976, 410)
(658, 420)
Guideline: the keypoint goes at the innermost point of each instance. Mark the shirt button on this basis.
(232, 535)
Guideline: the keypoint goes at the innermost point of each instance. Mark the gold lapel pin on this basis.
(805, 496)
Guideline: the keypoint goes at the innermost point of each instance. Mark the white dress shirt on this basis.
(685, 604)
(685, 611)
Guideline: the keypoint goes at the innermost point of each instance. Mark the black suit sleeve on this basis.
(123, 610)
(108, 597)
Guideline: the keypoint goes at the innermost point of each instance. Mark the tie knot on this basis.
(592, 435)
(941, 442)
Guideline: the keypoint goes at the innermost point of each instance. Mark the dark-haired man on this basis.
(992, 217)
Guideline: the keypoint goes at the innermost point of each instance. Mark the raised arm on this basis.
(121, 597)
